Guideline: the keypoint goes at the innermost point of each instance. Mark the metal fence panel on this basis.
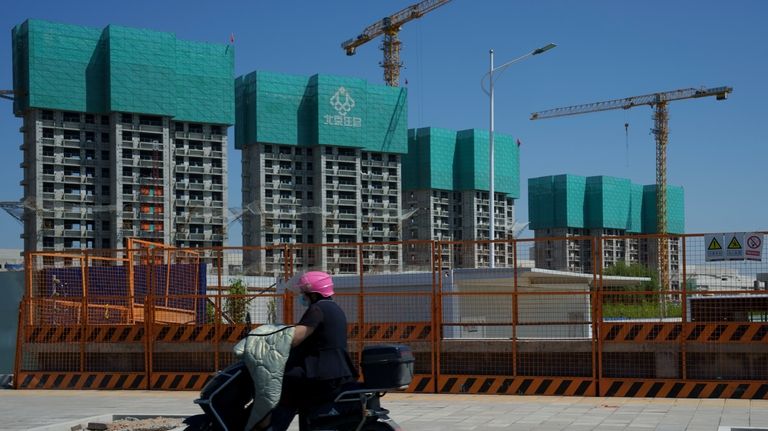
(569, 315)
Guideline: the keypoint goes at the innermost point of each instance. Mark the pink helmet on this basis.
(317, 282)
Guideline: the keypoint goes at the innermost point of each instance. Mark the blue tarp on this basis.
(109, 285)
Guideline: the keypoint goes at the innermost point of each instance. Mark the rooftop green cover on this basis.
(541, 212)
(608, 203)
(569, 204)
(320, 110)
(430, 159)
(600, 202)
(675, 209)
(555, 201)
(448, 160)
(121, 69)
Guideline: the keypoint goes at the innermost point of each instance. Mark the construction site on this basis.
(131, 281)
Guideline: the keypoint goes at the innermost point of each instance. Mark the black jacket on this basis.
(323, 355)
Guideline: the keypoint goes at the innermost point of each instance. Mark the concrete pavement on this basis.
(28, 409)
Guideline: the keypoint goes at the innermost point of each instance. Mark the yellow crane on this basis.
(658, 101)
(390, 27)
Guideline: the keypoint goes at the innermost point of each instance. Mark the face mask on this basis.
(304, 301)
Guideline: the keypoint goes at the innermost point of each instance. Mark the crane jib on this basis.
(720, 93)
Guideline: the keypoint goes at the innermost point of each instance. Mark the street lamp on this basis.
(489, 92)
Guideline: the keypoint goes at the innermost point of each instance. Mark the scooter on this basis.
(354, 409)
(227, 398)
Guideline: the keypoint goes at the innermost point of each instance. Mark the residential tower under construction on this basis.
(321, 163)
(446, 192)
(567, 208)
(125, 135)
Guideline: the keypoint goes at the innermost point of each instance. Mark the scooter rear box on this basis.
(227, 396)
(387, 366)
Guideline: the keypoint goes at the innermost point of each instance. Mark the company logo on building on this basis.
(343, 103)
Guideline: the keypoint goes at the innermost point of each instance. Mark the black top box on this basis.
(387, 366)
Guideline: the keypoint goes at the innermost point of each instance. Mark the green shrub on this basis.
(210, 312)
(641, 310)
(236, 306)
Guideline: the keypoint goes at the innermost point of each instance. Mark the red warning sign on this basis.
(753, 246)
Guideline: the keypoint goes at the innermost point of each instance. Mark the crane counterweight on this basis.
(389, 27)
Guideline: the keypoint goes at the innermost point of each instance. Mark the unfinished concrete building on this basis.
(565, 209)
(445, 184)
(321, 159)
(124, 136)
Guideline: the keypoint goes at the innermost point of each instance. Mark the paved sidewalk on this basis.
(23, 410)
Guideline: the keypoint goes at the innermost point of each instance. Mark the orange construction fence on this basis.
(578, 315)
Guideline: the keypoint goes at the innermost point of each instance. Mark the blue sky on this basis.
(606, 50)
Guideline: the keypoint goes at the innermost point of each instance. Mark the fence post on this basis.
(84, 310)
(438, 329)
(29, 278)
(435, 260)
(169, 255)
(149, 301)
(597, 265)
(515, 298)
(217, 310)
(684, 314)
(286, 260)
(131, 285)
(360, 303)
(287, 297)
(20, 335)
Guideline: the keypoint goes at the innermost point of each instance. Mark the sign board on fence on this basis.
(753, 246)
(714, 247)
(734, 245)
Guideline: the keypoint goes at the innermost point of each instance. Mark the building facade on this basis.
(566, 209)
(321, 164)
(125, 135)
(446, 189)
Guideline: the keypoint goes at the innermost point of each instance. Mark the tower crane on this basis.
(658, 101)
(390, 27)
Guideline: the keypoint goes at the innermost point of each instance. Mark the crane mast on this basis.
(389, 27)
(661, 120)
(659, 103)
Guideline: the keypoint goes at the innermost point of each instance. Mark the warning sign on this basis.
(735, 248)
(753, 246)
(734, 244)
(714, 244)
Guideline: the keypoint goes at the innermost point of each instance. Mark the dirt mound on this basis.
(151, 424)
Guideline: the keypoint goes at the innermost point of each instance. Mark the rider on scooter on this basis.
(319, 364)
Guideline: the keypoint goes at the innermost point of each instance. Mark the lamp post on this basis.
(491, 176)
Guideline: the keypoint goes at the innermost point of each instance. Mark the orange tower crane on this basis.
(661, 120)
(390, 27)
